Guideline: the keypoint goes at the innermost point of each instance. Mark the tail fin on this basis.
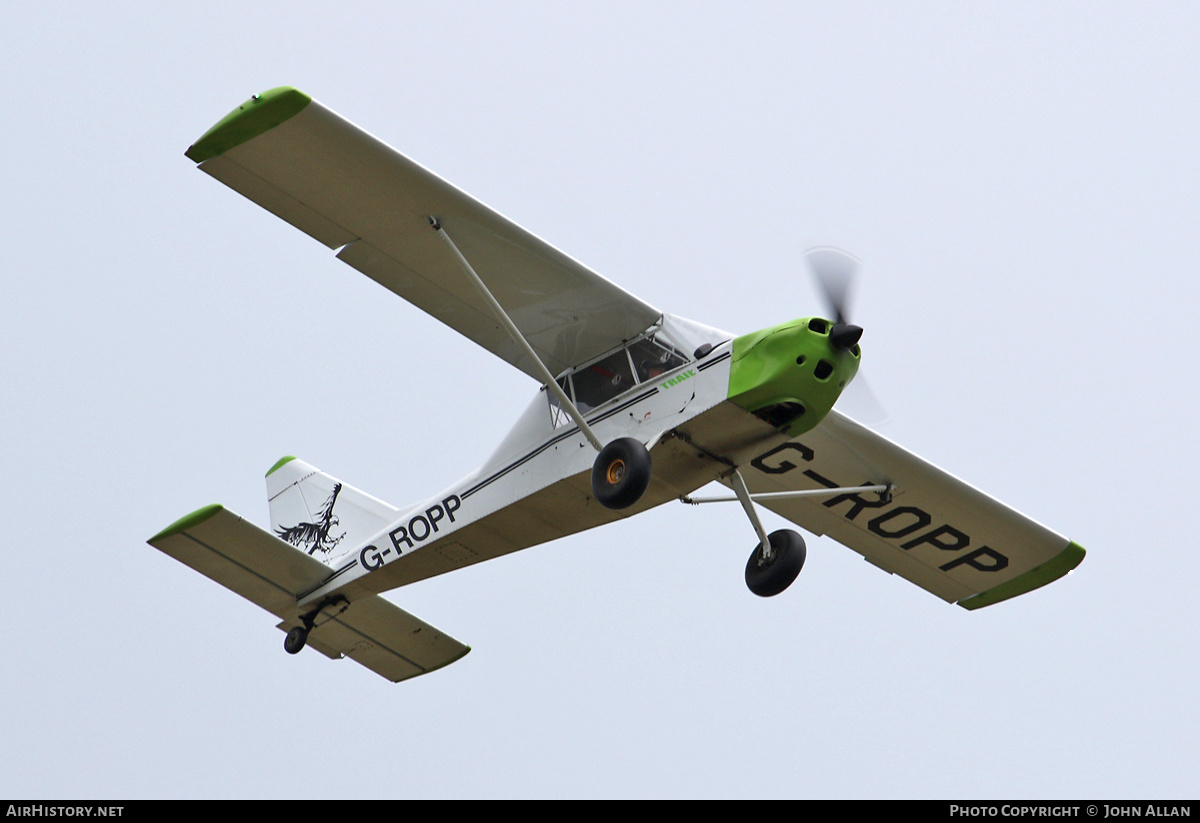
(320, 515)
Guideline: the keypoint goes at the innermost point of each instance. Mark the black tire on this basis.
(295, 640)
(769, 579)
(621, 473)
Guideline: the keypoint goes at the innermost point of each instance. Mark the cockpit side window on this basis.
(602, 380)
(642, 361)
(558, 415)
(651, 359)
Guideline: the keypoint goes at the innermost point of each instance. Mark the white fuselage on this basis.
(518, 498)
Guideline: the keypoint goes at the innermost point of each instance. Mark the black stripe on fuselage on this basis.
(715, 360)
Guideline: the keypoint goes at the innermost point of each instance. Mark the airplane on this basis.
(637, 407)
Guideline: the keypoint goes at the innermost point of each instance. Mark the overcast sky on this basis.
(1021, 182)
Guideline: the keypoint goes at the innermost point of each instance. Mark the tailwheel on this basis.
(295, 640)
(768, 576)
(297, 636)
(621, 473)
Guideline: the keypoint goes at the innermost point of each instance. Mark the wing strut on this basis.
(696, 501)
(501, 315)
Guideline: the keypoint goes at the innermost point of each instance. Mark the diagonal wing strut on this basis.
(882, 489)
(506, 321)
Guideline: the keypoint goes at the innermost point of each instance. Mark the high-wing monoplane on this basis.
(637, 407)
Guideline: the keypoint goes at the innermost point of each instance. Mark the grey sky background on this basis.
(1020, 180)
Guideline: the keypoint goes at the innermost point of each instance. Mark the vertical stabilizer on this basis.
(319, 514)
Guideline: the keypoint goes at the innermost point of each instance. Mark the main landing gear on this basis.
(621, 473)
(778, 557)
(768, 575)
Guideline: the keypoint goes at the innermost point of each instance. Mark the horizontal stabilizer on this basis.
(243, 558)
(267, 571)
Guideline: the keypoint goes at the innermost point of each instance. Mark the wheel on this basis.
(621, 473)
(769, 579)
(295, 640)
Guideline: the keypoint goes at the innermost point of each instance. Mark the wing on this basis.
(936, 531)
(339, 184)
(265, 570)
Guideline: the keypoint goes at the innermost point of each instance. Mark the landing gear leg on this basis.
(777, 558)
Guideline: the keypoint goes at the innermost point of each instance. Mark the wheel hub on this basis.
(616, 470)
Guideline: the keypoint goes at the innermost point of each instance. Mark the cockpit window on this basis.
(640, 362)
(558, 415)
(651, 359)
(602, 380)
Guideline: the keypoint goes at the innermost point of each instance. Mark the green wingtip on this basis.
(279, 463)
(1035, 578)
(258, 115)
(187, 521)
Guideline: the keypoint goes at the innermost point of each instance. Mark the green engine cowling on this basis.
(790, 375)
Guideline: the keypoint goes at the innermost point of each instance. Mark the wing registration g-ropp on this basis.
(636, 407)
